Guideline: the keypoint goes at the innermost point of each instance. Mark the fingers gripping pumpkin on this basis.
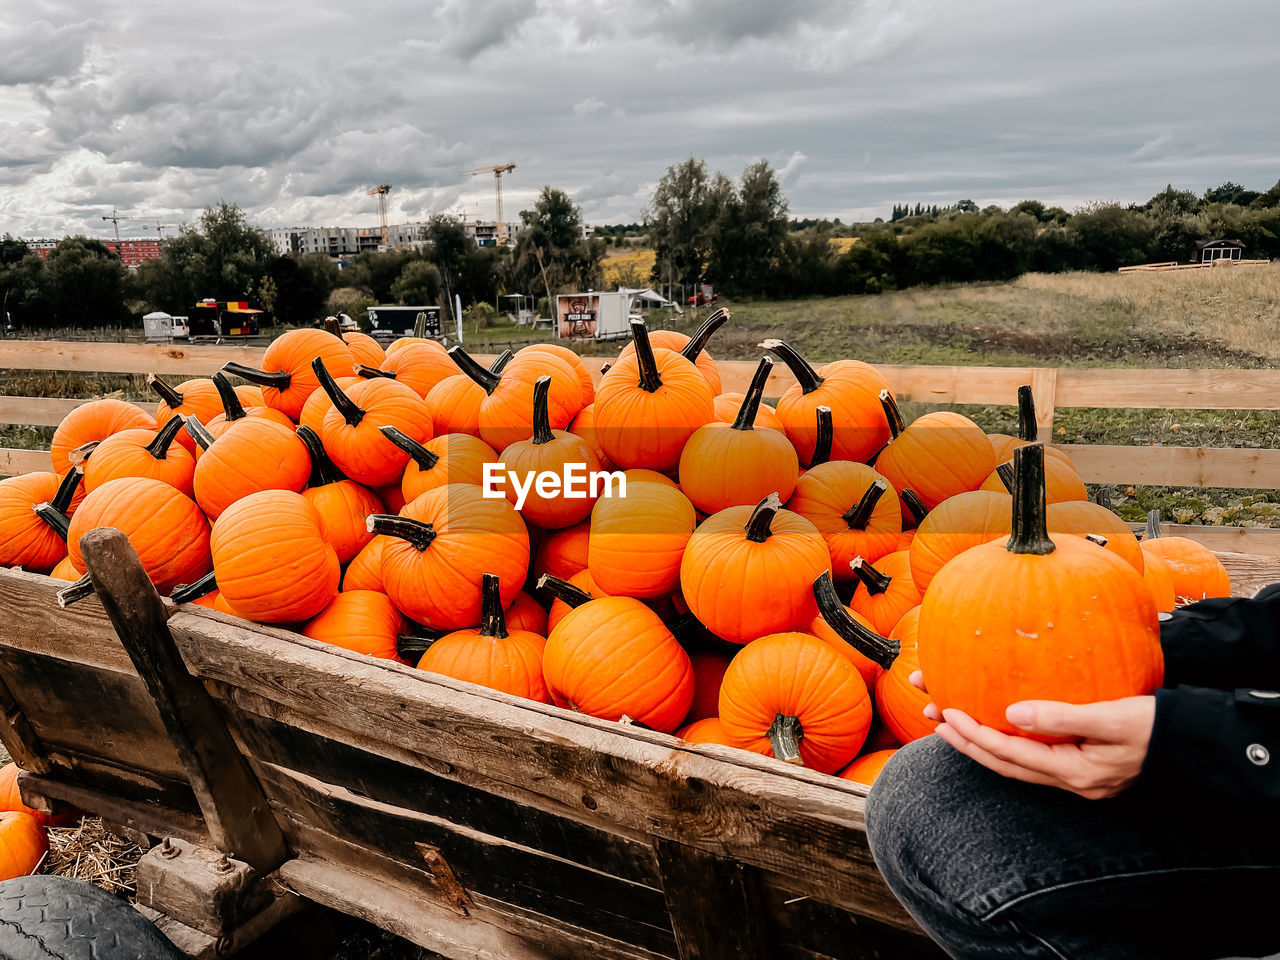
(287, 378)
(491, 655)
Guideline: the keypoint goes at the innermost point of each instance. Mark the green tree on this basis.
(84, 284)
(22, 285)
(550, 249)
(418, 284)
(450, 248)
(679, 222)
(302, 287)
(1108, 236)
(750, 233)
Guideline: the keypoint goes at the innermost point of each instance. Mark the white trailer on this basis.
(161, 327)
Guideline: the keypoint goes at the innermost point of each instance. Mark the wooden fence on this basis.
(1214, 389)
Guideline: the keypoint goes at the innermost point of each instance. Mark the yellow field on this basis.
(842, 244)
(632, 268)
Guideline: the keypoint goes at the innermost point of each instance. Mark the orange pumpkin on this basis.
(364, 349)
(24, 843)
(253, 455)
(900, 703)
(451, 458)
(232, 408)
(573, 360)
(287, 378)
(867, 767)
(526, 613)
(747, 571)
(940, 455)
(142, 453)
(691, 347)
(649, 404)
(708, 672)
(491, 655)
(364, 572)
(271, 560)
(454, 405)
(1158, 576)
(612, 658)
(341, 504)
(1062, 483)
(850, 633)
(854, 508)
(728, 465)
(1084, 518)
(442, 545)
(637, 542)
(550, 451)
(91, 422)
(361, 620)
(33, 519)
(318, 405)
(1036, 605)
(11, 800)
(562, 553)
(885, 591)
(584, 426)
(196, 398)
(963, 521)
(568, 594)
(1003, 445)
(706, 730)
(506, 410)
(850, 388)
(727, 405)
(791, 696)
(1196, 571)
(416, 365)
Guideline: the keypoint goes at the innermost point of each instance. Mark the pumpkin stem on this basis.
(330, 325)
(784, 736)
(493, 622)
(875, 581)
(799, 367)
(80, 454)
(759, 527)
(563, 590)
(57, 520)
(410, 647)
(467, 364)
(825, 437)
(915, 506)
(1006, 474)
(232, 408)
(361, 370)
(1103, 497)
(420, 455)
(892, 413)
(76, 592)
(323, 470)
(700, 336)
(159, 446)
(1030, 532)
(500, 361)
(541, 418)
(198, 432)
(1097, 538)
(186, 592)
(67, 488)
(751, 402)
(1027, 428)
(170, 397)
(344, 404)
(649, 379)
(881, 650)
(859, 515)
(415, 532)
(1153, 525)
(280, 379)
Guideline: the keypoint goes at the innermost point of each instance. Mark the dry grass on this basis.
(625, 266)
(88, 851)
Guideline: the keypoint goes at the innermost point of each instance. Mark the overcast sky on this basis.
(293, 108)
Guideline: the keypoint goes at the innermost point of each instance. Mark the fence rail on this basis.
(1212, 389)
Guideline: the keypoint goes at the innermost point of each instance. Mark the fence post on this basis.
(1044, 390)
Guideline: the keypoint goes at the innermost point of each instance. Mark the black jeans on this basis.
(994, 868)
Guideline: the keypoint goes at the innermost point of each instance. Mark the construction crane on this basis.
(116, 218)
(497, 170)
(162, 227)
(381, 192)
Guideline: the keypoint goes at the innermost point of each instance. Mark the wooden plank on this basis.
(1044, 392)
(15, 461)
(714, 904)
(145, 815)
(1206, 389)
(48, 411)
(123, 357)
(1233, 467)
(1249, 572)
(808, 929)
(34, 623)
(234, 809)
(19, 738)
(800, 824)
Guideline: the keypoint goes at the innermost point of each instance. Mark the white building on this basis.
(348, 241)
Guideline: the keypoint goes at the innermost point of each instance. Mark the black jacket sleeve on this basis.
(1217, 722)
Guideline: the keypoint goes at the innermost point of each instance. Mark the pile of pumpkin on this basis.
(769, 575)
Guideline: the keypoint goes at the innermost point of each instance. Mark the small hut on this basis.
(1207, 251)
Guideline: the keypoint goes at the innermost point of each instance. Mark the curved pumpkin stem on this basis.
(698, 342)
(915, 506)
(76, 592)
(323, 470)
(1007, 475)
(1097, 538)
(361, 370)
(493, 622)
(467, 364)
(784, 736)
(859, 515)
(825, 437)
(54, 513)
(419, 454)
(804, 373)
(1030, 530)
(878, 649)
(500, 362)
(415, 532)
(892, 413)
(875, 581)
(411, 646)
(1153, 525)
(759, 527)
(159, 446)
(280, 379)
(541, 418)
(563, 590)
(1027, 427)
(755, 393)
(80, 454)
(186, 592)
(649, 379)
(232, 408)
(169, 396)
(344, 404)
(198, 433)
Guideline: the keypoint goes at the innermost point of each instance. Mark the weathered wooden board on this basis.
(1234, 467)
(47, 411)
(1205, 389)
(14, 462)
(146, 814)
(122, 357)
(1248, 572)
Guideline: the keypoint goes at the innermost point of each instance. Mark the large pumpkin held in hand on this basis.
(1035, 619)
(1196, 572)
(286, 377)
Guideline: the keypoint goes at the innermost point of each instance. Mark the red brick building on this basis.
(130, 252)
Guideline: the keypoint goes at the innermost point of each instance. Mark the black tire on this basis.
(53, 918)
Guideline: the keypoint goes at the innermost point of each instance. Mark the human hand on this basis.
(1113, 739)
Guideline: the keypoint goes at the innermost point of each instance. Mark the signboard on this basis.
(424, 319)
(577, 314)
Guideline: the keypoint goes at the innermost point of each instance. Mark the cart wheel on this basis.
(52, 917)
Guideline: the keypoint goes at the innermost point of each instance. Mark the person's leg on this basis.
(993, 868)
